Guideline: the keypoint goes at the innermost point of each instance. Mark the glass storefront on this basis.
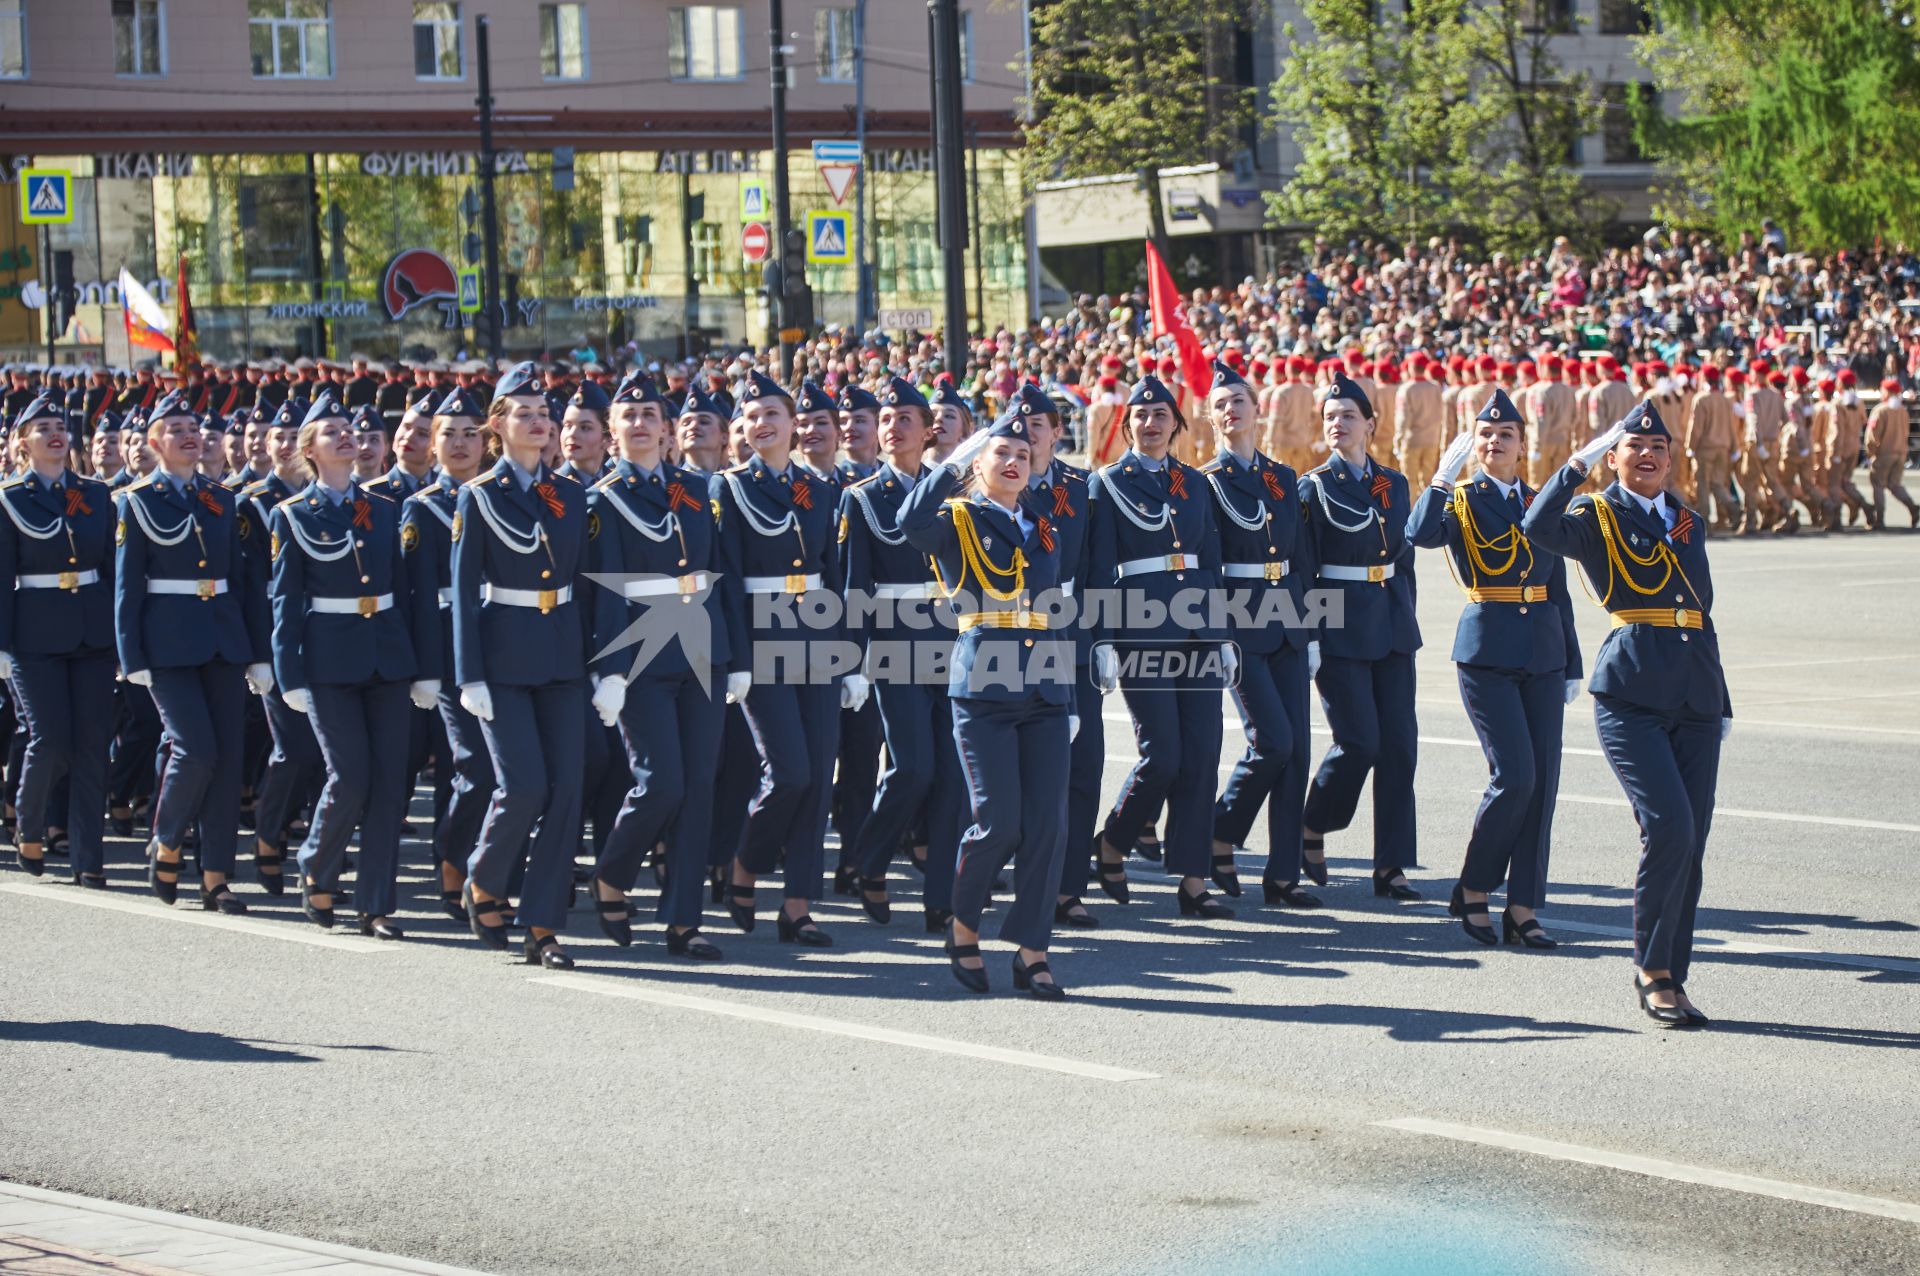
(360, 253)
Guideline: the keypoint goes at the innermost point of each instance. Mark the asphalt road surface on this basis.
(1357, 1090)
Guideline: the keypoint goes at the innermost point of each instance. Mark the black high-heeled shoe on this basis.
(803, 930)
(1287, 894)
(846, 881)
(221, 899)
(1045, 989)
(740, 906)
(1149, 850)
(1527, 933)
(58, 844)
(1202, 905)
(451, 903)
(545, 951)
(1064, 912)
(34, 867)
(380, 928)
(615, 923)
(1113, 875)
(717, 884)
(1457, 906)
(1694, 1017)
(493, 936)
(1665, 1016)
(1315, 869)
(91, 881)
(691, 943)
(1226, 874)
(937, 919)
(321, 917)
(266, 871)
(881, 910)
(1393, 885)
(972, 978)
(165, 889)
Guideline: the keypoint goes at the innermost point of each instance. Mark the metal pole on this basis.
(316, 290)
(52, 303)
(782, 198)
(862, 315)
(1029, 216)
(490, 225)
(979, 241)
(689, 278)
(949, 161)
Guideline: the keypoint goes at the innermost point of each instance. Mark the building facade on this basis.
(314, 163)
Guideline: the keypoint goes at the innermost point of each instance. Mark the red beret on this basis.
(1736, 376)
(1436, 370)
(1760, 367)
(1847, 377)
(1890, 385)
(1799, 375)
(1489, 364)
(1826, 385)
(1778, 380)
(1710, 372)
(1169, 367)
(1553, 363)
(1108, 382)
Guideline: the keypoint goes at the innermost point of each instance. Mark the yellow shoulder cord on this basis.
(1661, 555)
(974, 555)
(1509, 542)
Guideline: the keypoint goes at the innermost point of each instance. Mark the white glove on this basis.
(738, 684)
(1764, 454)
(477, 700)
(1573, 690)
(1590, 455)
(1733, 457)
(1689, 453)
(1313, 659)
(299, 700)
(1726, 729)
(960, 461)
(1106, 668)
(1533, 454)
(854, 690)
(1452, 461)
(1740, 410)
(609, 697)
(1073, 727)
(141, 677)
(425, 693)
(260, 678)
(6, 664)
(1229, 661)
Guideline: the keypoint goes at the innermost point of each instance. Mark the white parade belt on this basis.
(1333, 571)
(366, 605)
(793, 584)
(57, 580)
(191, 588)
(545, 599)
(446, 598)
(1275, 570)
(691, 583)
(905, 589)
(1164, 563)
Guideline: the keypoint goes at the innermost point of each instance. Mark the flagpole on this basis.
(46, 268)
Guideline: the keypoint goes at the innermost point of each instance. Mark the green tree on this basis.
(1132, 86)
(1805, 111)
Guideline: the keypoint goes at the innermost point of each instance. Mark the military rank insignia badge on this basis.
(843, 529)
(409, 537)
(456, 527)
(273, 547)
(120, 533)
(243, 525)
(593, 526)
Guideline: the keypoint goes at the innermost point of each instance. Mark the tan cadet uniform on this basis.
(1449, 405)
(1610, 401)
(1887, 430)
(1386, 416)
(1797, 470)
(1846, 420)
(1553, 425)
(1710, 439)
(1760, 414)
(1417, 428)
(1673, 407)
(1295, 435)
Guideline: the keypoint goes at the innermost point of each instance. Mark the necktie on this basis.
(1514, 506)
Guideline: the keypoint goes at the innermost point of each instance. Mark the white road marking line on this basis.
(1825, 726)
(1893, 580)
(1654, 1167)
(301, 932)
(1710, 944)
(842, 1028)
(1781, 817)
(1804, 664)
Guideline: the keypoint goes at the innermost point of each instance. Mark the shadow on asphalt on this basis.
(159, 1038)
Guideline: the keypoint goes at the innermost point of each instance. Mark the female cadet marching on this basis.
(1356, 512)
(190, 631)
(1262, 564)
(520, 646)
(1518, 660)
(342, 656)
(56, 640)
(1011, 687)
(1659, 696)
(426, 542)
(664, 617)
(1155, 542)
(777, 536)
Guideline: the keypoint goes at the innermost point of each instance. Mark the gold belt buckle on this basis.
(549, 599)
(1376, 574)
(1680, 617)
(1530, 593)
(70, 581)
(204, 589)
(369, 606)
(1276, 572)
(689, 585)
(1176, 562)
(796, 583)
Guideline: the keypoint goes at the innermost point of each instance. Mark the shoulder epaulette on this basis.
(144, 481)
(737, 469)
(382, 495)
(862, 482)
(1212, 467)
(609, 480)
(478, 479)
(254, 489)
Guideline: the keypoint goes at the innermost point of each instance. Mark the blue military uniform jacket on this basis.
(1262, 525)
(1534, 634)
(533, 542)
(1065, 495)
(51, 533)
(396, 484)
(992, 661)
(1154, 537)
(426, 544)
(876, 555)
(1644, 664)
(255, 505)
(567, 469)
(1358, 522)
(191, 538)
(653, 535)
(349, 552)
(777, 525)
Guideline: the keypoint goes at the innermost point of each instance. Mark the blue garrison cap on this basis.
(760, 386)
(1500, 408)
(135, 419)
(1151, 389)
(1345, 387)
(460, 402)
(1011, 425)
(902, 393)
(854, 397)
(1031, 400)
(325, 408)
(109, 423)
(1224, 374)
(639, 387)
(45, 403)
(173, 403)
(262, 413)
(521, 378)
(367, 420)
(292, 412)
(699, 400)
(946, 394)
(211, 420)
(592, 396)
(812, 398)
(416, 393)
(1644, 420)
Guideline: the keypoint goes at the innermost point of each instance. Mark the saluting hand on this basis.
(961, 459)
(1589, 455)
(1452, 461)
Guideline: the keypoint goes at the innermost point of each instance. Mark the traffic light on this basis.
(796, 296)
(62, 296)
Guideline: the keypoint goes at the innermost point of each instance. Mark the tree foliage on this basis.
(1132, 86)
(1806, 111)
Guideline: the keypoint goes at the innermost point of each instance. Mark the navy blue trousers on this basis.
(1272, 699)
(922, 777)
(1369, 708)
(363, 736)
(292, 770)
(1014, 755)
(857, 779)
(136, 739)
(536, 740)
(733, 792)
(66, 704)
(469, 770)
(1519, 718)
(1178, 733)
(1086, 764)
(604, 781)
(796, 730)
(204, 713)
(1668, 761)
(672, 728)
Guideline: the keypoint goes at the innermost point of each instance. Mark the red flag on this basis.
(186, 337)
(1164, 300)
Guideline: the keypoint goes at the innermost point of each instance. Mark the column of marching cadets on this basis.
(590, 616)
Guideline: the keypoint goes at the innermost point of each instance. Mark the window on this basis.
(966, 46)
(1555, 16)
(13, 42)
(703, 42)
(139, 38)
(1624, 17)
(1621, 148)
(834, 40)
(291, 39)
(563, 41)
(436, 42)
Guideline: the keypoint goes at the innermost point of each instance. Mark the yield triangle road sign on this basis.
(839, 179)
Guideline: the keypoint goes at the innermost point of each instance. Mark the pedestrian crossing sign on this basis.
(46, 196)
(469, 291)
(829, 239)
(753, 202)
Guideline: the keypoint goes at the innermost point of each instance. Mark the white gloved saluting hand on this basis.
(1452, 461)
(961, 459)
(1589, 456)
